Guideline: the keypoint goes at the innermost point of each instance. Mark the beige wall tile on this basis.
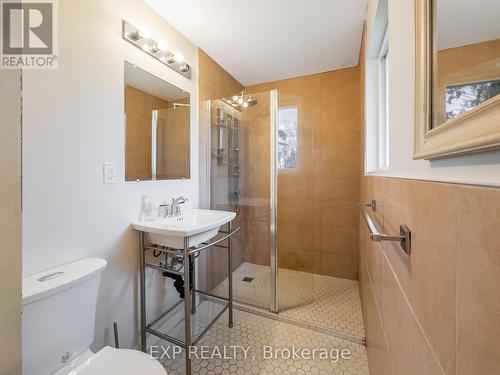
(376, 345)
(328, 171)
(478, 297)
(299, 260)
(340, 264)
(297, 236)
(428, 276)
(410, 351)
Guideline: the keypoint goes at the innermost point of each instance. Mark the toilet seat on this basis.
(120, 361)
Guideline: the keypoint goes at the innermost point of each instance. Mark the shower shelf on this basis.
(191, 334)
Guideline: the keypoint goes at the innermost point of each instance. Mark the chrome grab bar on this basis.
(404, 237)
(372, 204)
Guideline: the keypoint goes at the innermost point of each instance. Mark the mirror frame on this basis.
(476, 130)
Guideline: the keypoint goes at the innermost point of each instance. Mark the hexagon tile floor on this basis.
(260, 336)
(324, 302)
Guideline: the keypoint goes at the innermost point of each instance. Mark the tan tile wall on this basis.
(317, 225)
(10, 222)
(138, 109)
(214, 83)
(437, 312)
(173, 142)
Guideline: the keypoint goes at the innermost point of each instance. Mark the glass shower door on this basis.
(241, 166)
(299, 217)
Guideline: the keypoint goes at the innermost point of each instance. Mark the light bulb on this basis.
(240, 100)
(162, 46)
(179, 57)
(144, 32)
(245, 104)
(146, 47)
(235, 98)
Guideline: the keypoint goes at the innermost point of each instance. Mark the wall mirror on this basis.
(457, 77)
(157, 117)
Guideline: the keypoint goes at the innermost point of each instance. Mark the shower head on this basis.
(251, 101)
(239, 101)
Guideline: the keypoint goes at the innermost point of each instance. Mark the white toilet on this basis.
(59, 308)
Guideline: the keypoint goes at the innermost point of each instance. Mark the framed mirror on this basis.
(457, 77)
(157, 118)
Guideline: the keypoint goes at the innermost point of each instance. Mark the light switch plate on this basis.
(110, 173)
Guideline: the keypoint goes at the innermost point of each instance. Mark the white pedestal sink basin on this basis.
(199, 225)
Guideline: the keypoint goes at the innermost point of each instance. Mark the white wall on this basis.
(474, 169)
(73, 123)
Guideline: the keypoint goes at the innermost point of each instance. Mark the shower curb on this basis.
(329, 332)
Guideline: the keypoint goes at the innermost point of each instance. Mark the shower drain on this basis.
(248, 279)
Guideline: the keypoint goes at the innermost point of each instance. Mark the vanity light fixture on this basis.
(141, 33)
(144, 32)
(142, 38)
(179, 57)
(162, 46)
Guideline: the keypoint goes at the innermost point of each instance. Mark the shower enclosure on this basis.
(264, 166)
(255, 149)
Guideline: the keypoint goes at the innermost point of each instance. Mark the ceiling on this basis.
(151, 84)
(265, 40)
(463, 22)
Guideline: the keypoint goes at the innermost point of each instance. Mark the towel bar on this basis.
(404, 237)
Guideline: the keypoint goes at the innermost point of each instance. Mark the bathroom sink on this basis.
(199, 225)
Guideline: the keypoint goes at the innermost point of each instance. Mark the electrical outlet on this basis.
(110, 173)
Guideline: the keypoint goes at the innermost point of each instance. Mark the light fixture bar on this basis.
(141, 38)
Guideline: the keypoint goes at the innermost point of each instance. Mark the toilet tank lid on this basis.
(47, 283)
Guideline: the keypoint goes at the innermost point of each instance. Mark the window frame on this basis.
(383, 104)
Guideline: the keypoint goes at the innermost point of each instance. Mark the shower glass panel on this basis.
(240, 181)
(298, 222)
(262, 168)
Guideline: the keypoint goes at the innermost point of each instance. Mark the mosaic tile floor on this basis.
(255, 333)
(319, 301)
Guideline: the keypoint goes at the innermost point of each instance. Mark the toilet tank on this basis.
(58, 315)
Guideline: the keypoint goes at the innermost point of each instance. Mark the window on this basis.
(377, 64)
(287, 137)
(383, 105)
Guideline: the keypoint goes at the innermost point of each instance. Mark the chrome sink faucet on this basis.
(175, 208)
